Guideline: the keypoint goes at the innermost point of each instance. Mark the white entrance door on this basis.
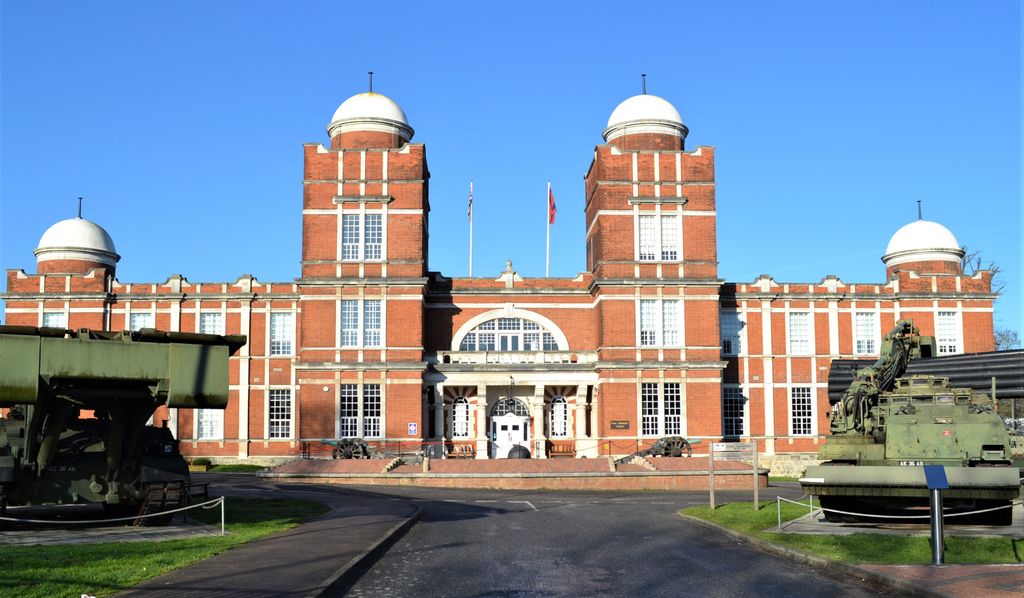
(508, 431)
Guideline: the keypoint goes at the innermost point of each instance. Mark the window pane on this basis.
(648, 238)
(371, 323)
(209, 424)
(549, 342)
(349, 411)
(670, 323)
(55, 319)
(350, 237)
(485, 341)
(374, 236)
(865, 330)
(733, 402)
(947, 335)
(732, 337)
(673, 410)
(138, 321)
(648, 323)
(282, 333)
(460, 418)
(280, 411)
(669, 238)
(799, 333)
(468, 342)
(211, 323)
(648, 409)
(801, 410)
(349, 323)
(371, 410)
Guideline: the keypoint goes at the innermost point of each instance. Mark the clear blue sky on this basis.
(182, 124)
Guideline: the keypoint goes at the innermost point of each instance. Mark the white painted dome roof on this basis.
(78, 239)
(644, 113)
(922, 240)
(370, 111)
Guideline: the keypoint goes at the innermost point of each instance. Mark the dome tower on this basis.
(646, 122)
(75, 246)
(924, 247)
(369, 120)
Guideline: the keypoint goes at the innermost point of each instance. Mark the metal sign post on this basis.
(935, 476)
(733, 451)
(711, 473)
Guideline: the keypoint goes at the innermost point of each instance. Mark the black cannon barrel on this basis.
(970, 370)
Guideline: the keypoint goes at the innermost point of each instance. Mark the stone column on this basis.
(481, 422)
(439, 412)
(537, 407)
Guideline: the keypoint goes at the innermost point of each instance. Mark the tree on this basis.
(1007, 339)
(972, 263)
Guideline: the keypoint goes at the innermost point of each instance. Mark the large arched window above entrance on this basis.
(509, 330)
(509, 405)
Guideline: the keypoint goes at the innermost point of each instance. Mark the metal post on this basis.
(222, 500)
(810, 504)
(938, 546)
(778, 510)
(757, 503)
(711, 474)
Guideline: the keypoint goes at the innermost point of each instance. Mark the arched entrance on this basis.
(510, 426)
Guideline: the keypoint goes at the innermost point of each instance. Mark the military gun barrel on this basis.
(970, 370)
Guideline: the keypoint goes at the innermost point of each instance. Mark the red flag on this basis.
(551, 206)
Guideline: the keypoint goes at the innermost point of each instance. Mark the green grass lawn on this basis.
(857, 548)
(236, 468)
(104, 569)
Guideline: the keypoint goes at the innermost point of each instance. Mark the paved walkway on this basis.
(967, 581)
(290, 563)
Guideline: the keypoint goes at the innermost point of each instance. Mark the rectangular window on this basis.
(209, 424)
(349, 411)
(648, 239)
(211, 323)
(139, 320)
(371, 323)
(531, 341)
(648, 323)
(659, 323)
(649, 409)
(673, 409)
(733, 403)
(801, 411)
(865, 331)
(350, 237)
(280, 414)
(732, 333)
(282, 332)
(799, 333)
(670, 323)
(371, 410)
(373, 236)
(669, 238)
(947, 333)
(349, 323)
(55, 319)
(485, 341)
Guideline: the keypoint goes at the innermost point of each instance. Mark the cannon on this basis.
(669, 446)
(76, 406)
(348, 448)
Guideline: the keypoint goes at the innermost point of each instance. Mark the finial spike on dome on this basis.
(371, 81)
(643, 83)
(79, 207)
(919, 210)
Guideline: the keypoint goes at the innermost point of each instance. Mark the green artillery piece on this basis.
(886, 426)
(75, 407)
(348, 448)
(668, 446)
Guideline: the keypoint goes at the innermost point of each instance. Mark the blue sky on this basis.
(182, 124)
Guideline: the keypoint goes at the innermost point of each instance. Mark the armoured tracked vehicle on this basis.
(75, 406)
(886, 426)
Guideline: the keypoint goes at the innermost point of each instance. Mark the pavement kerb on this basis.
(338, 582)
(904, 586)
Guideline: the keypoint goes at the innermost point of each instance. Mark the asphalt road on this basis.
(491, 543)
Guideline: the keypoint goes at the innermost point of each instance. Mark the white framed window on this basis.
(282, 332)
(349, 411)
(947, 332)
(140, 320)
(799, 333)
(371, 323)
(371, 411)
(516, 334)
(658, 238)
(460, 417)
(732, 325)
(362, 236)
(661, 409)
(211, 323)
(360, 315)
(55, 319)
(801, 411)
(350, 323)
(733, 408)
(659, 323)
(865, 331)
(279, 413)
(559, 424)
(209, 424)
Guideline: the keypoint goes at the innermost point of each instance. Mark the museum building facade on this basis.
(647, 342)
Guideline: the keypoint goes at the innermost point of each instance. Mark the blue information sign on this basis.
(412, 428)
(935, 476)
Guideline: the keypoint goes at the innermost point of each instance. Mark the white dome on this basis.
(645, 113)
(922, 240)
(77, 239)
(370, 112)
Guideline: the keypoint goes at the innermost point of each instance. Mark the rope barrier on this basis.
(869, 515)
(210, 504)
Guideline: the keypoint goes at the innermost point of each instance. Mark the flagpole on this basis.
(547, 220)
(471, 228)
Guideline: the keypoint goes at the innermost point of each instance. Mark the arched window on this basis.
(508, 334)
(559, 417)
(460, 418)
(509, 405)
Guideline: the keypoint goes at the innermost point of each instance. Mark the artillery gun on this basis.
(75, 406)
(887, 425)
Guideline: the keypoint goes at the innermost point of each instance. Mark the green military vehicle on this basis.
(74, 412)
(887, 426)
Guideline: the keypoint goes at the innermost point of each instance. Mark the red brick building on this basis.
(647, 342)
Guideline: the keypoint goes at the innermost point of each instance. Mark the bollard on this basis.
(222, 499)
(938, 545)
(778, 510)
